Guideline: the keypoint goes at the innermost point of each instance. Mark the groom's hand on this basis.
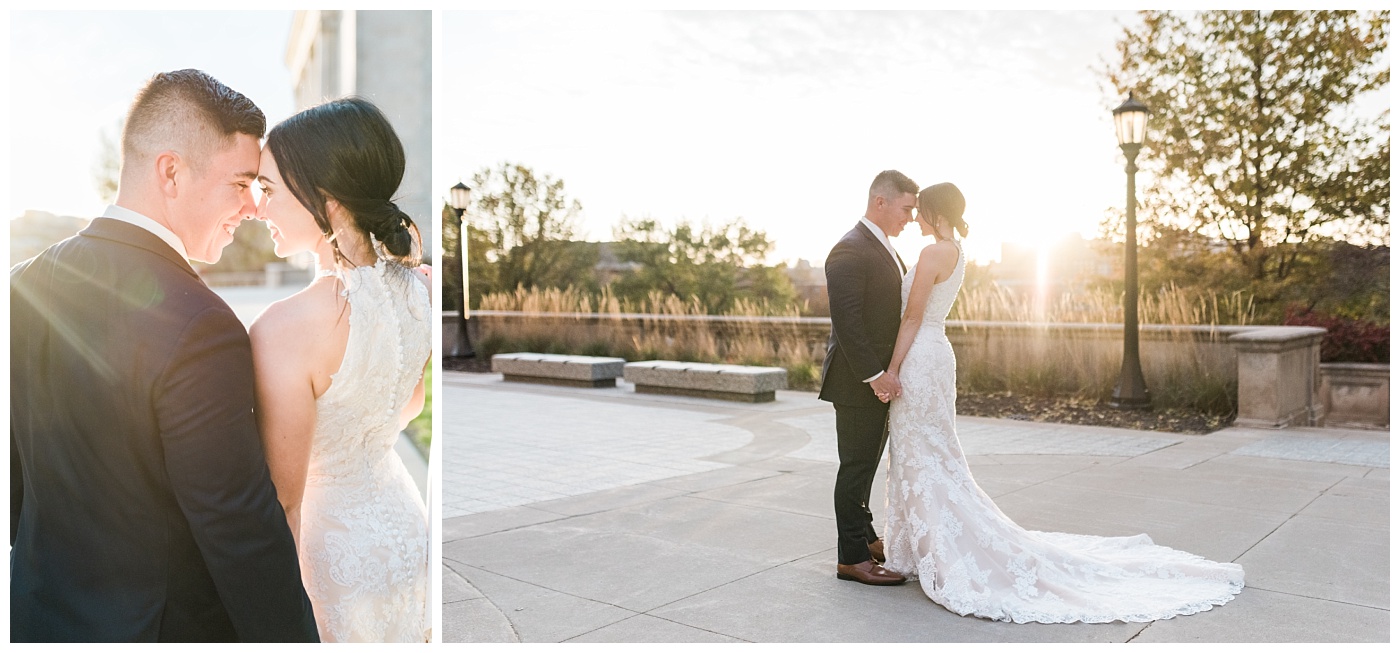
(886, 387)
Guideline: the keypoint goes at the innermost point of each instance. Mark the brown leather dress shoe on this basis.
(868, 572)
(877, 551)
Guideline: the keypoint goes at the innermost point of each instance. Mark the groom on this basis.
(863, 277)
(141, 508)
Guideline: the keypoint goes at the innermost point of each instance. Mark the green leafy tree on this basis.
(717, 265)
(480, 262)
(523, 225)
(482, 271)
(451, 263)
(1255, 138)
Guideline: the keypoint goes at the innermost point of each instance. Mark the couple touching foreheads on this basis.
(175, 477)
(891, 373)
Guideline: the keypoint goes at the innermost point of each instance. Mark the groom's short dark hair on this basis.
(891, 184)
(188, 109)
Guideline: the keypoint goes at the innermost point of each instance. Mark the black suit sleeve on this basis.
(845, 285)
(214, 457)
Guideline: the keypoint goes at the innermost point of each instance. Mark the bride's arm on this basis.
(415, 403)
(935, 264)
(419, 398)
(286, 404)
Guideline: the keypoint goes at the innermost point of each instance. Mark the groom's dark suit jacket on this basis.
(863, 289)
(141, 505)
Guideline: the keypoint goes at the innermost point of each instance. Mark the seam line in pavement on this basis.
(512, 528)
(632, 612)
(725, 584)
(1202, 462)
(1317, 598)
(753, 507)
(513, 632)
(746, 641)
(685, 625)
(1139, 632)
(1271, 532)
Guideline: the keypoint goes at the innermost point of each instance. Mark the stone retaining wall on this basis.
(1274, 367)
(1356, 394)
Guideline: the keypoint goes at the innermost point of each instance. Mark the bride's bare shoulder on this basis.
(307, 315)
(943, 251)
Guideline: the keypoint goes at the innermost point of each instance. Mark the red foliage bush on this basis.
(1347, 340)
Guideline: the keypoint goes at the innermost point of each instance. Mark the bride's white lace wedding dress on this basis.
(364, 530)
(972, 559)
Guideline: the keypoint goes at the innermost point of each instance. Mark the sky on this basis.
(73, 74)
(779, 117)
(784, 118)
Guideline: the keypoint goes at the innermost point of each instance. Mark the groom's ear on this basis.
(169, 170)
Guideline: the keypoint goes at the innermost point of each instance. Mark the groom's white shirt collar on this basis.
(161, 231)
(884, 240)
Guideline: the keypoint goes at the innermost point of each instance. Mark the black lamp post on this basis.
(1130, 121)
(459, 198)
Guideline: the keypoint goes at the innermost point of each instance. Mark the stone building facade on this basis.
(385, 57)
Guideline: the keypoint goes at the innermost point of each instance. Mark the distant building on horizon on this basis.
(609, 267)
(810, 283)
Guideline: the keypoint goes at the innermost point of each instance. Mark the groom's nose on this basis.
(250, 205)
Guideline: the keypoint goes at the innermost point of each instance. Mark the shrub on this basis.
(1347, 340)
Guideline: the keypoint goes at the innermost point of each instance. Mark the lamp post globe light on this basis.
(459, 198)
(1130, 122)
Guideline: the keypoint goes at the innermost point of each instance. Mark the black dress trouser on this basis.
(861, 433)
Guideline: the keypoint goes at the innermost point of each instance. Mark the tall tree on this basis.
(451, 272)
(526, 222)
(1255, 137)
(716, 264)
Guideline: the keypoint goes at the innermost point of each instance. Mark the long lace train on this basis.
(974, 560)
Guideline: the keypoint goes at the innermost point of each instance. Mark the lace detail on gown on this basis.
(364, 529)
(971, 558)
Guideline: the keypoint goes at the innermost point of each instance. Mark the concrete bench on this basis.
(557, 369)
(732, 382)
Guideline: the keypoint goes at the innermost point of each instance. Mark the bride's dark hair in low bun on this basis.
(943, 200)
(346, 150)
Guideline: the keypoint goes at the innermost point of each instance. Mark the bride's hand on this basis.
(886, 387)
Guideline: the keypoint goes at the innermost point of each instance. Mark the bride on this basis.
(969, 556)
(339, 369)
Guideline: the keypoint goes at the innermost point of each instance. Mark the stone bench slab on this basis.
(732, 382)
(558, 369)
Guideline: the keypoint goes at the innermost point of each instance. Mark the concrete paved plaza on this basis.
(601, 515)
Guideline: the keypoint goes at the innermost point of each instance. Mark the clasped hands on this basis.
(887, 386)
